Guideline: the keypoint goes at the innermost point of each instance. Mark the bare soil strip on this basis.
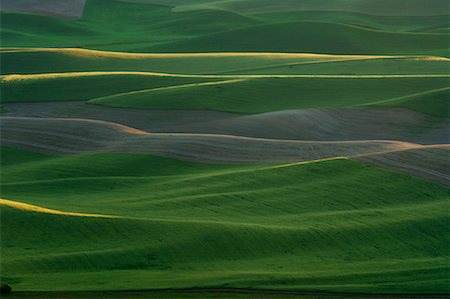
(306, 124)
(428, 162)
(67, 9)
(81, 135)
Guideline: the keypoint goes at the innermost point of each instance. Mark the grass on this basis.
(119, 222)
(434, 103)
(309, 37)
(379, 8)
(271, 94)
(80, 86)
(319, 226)
(36, 61)
(194, 294)
(113, 22)
(115, 25)
(363, 20)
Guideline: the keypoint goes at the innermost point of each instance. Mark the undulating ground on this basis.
(284, 145)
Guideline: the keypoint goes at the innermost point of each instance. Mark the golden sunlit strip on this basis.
(17, 77)
(37, 209)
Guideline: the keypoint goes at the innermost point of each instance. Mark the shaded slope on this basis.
(108, 22)
(309, 37)
(78, 136)
(376, 7)
(308, 124)
(406, 23)
(70, 9)
(48, 60)
(435, 102)
(272, 94)
(266, 232)
(431, 163)
(114, 25)
(81, 86)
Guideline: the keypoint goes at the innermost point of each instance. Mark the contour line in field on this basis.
(38, 209)
(19, 77)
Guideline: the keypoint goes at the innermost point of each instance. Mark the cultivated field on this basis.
(225, 149)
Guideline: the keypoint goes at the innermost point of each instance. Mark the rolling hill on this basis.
(376, 7)
(311, 37)
(205, 30)
(225, 149)
(274, 94)
(50, 60)
(249, 239)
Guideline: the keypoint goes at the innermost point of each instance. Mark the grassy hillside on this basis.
(108, 22)
(425, 24)
(272, 94)
(114, 25)
(79, 86)
(29, 61)
(309, 37)
(435, 102)
(265, 233)
(375, 7)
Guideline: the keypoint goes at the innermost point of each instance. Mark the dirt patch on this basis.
(79, 136)
(431, 162)
(306, 124)
(68, 9)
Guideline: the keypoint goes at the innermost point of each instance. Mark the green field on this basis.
(363, 86)
(82, 87)
(265, 95)
(35, 61)
(114, 25)
(220, 226)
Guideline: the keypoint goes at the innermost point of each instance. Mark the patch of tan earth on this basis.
(67, 136)
(428, 162)
(306, 124)
(68, 9)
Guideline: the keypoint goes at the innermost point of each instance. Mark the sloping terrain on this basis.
(71, 9)
(114, 25)
(238, 144)
(431, 162)
(51, 60)
(304, 124)
(265, 233)
(257, 95)
(78, 136)
(324, 38)
(376, 7)
(83, 86)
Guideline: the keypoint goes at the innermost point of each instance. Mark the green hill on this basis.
(435, 102)
(309, 37)
(124, 26)
(108, 22)
(375, 7)
(81, 86)
(265, 233)
(33, 61)
(273, 94)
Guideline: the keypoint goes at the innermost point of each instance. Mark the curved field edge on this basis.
(35, 60)
(233, 93)
(179, 236)
(99, 29)
(259, 94)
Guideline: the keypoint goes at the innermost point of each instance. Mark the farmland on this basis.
(225, 149)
